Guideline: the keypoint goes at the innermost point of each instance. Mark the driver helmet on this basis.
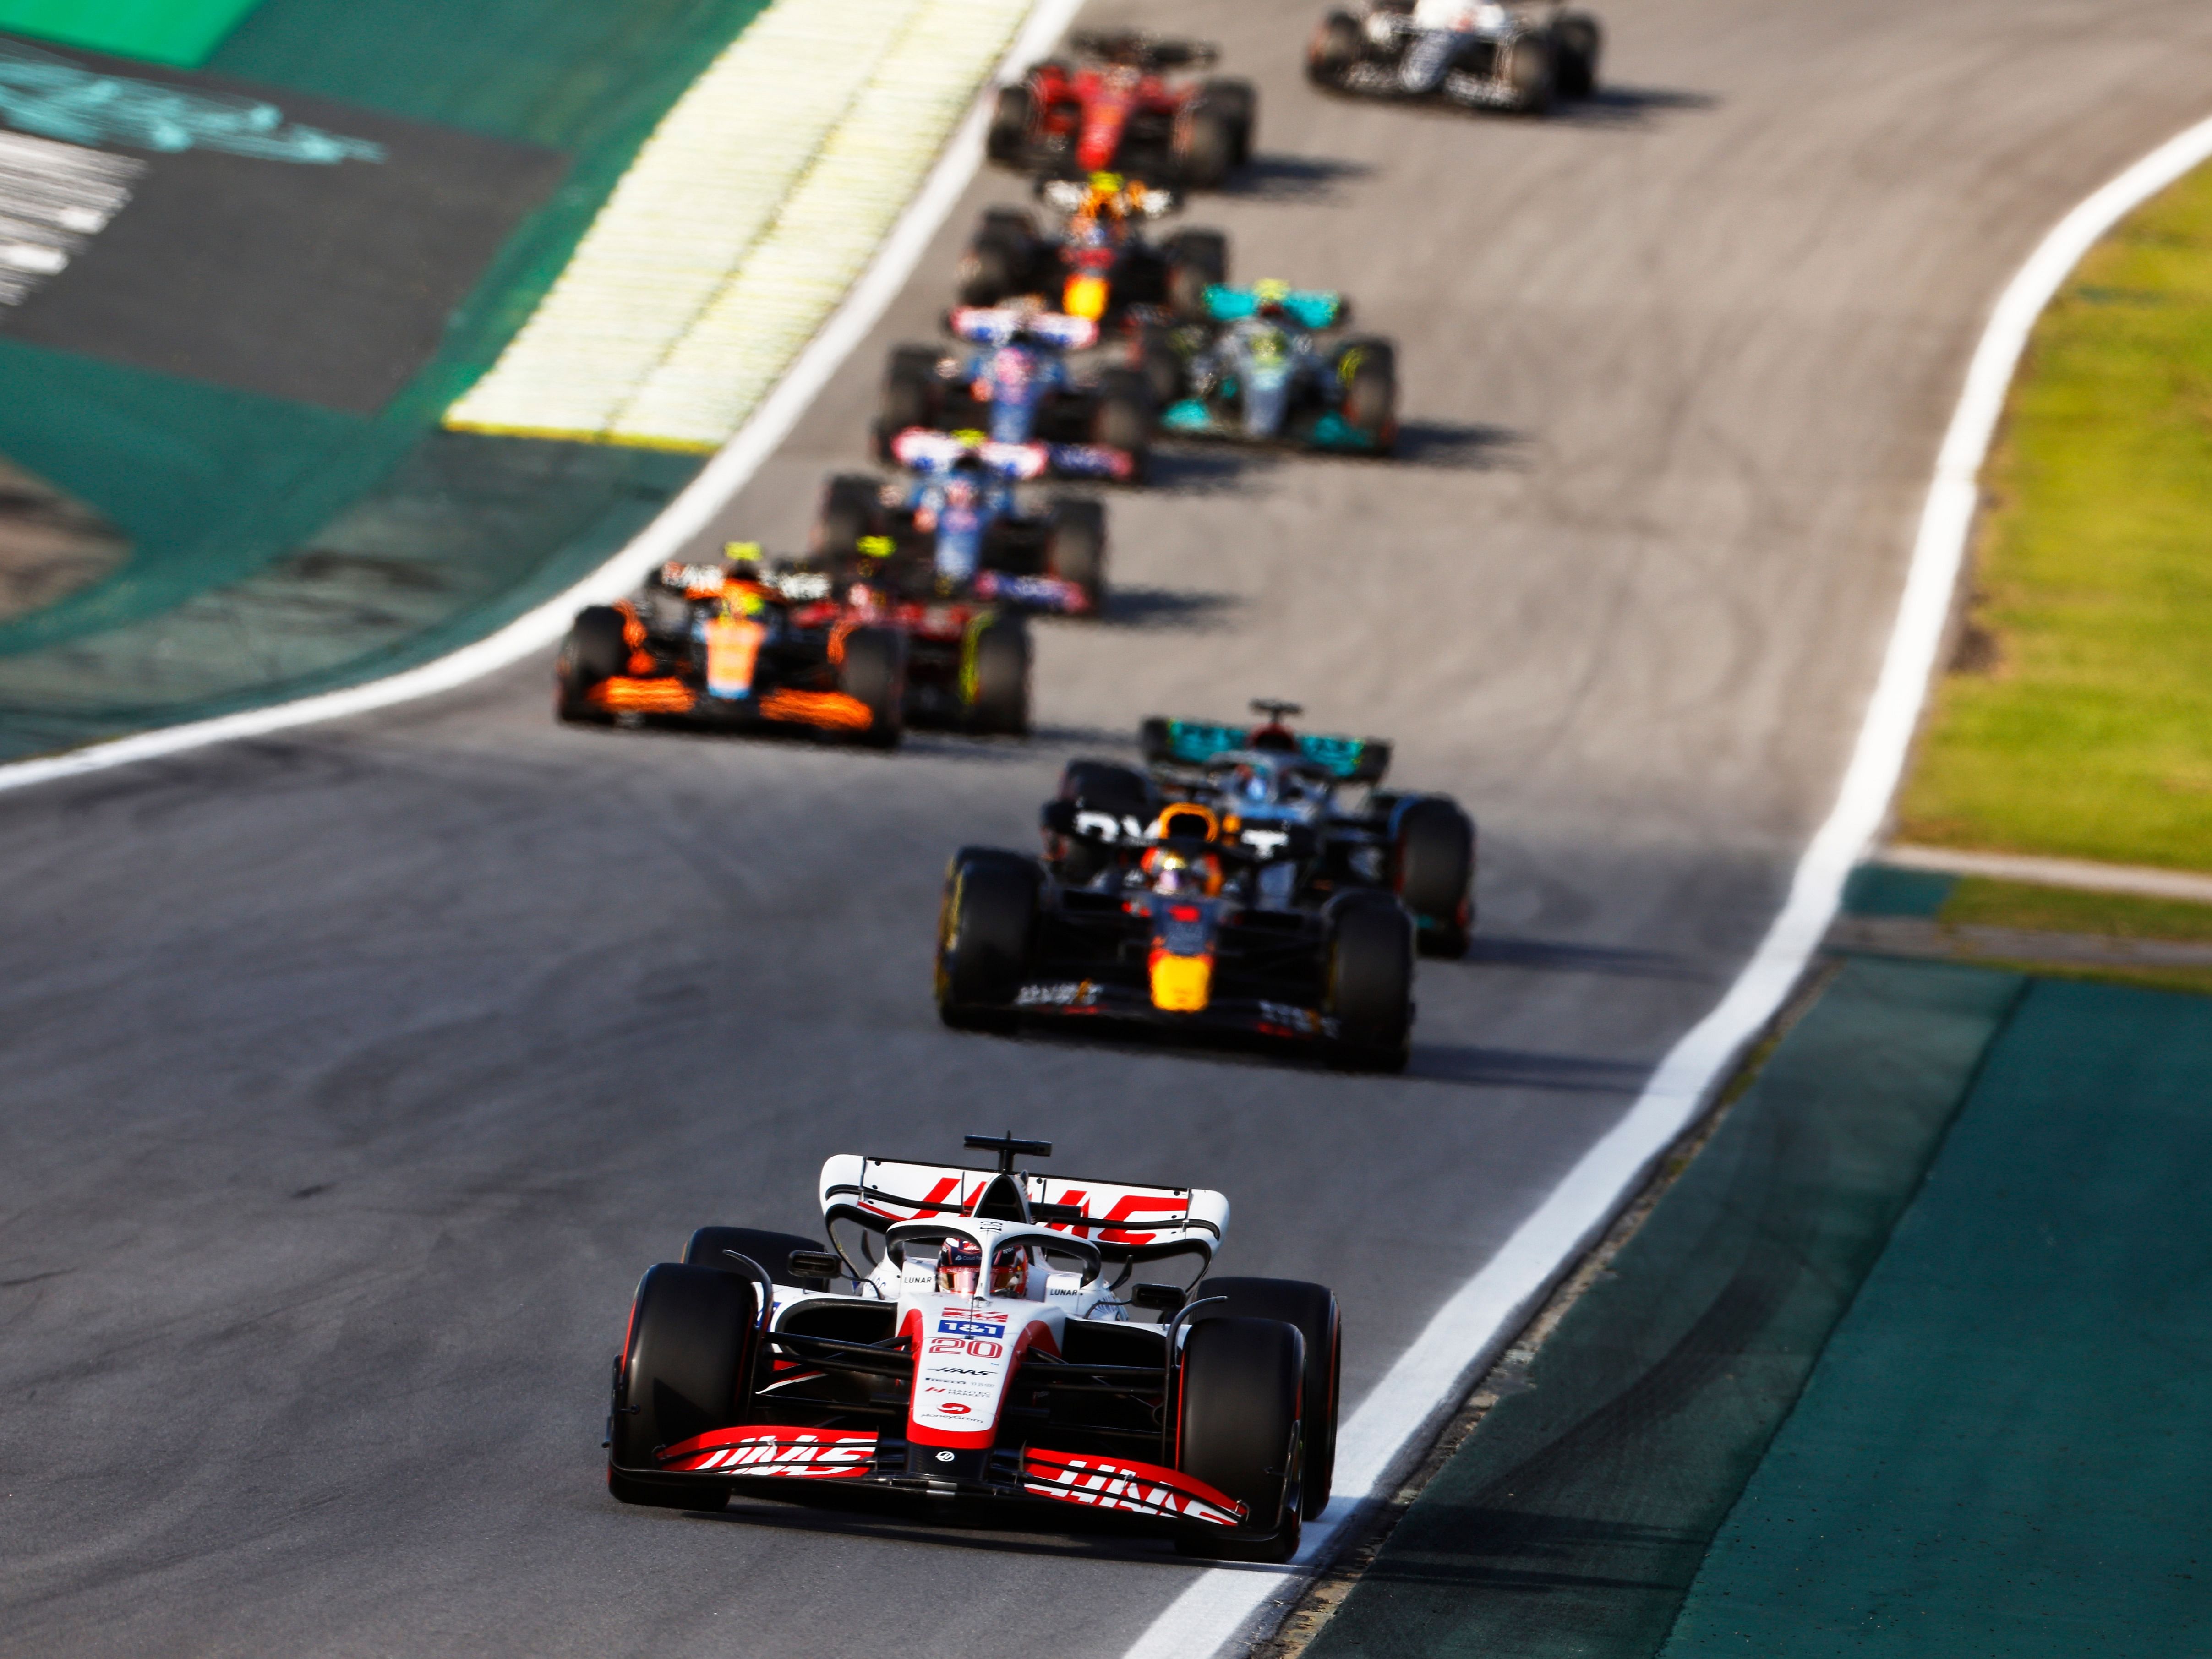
(1251, 785)
(1176, 874)
(1271, 298)
(959, 1266)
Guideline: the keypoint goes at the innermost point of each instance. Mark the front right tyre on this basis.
(683, 1372)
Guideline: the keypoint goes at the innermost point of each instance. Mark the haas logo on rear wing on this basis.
(879, 1193)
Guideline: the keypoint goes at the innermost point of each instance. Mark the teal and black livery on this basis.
(1197, 743)
(1308, 307)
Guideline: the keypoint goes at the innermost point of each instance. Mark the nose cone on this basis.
(1181, 985)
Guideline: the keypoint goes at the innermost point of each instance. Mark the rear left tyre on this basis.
(1197, 259)
(1369, 372)
(1529, 72)
(1205, 146)
(683, 1372)
(851, 508)
(1577, 42)
(1124, 420)
(1237, 103)
(711, 1247)
(1008, 135)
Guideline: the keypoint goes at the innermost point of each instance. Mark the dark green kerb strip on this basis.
(181, 32)
(1573, 1520)
(2005, 1449)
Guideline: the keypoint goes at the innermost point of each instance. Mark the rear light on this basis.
(1182, 913)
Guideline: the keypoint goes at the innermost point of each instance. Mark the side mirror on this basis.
(1162, 1298)
(816, 1264)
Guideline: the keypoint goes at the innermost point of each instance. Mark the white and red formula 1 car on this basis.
(986, 1351)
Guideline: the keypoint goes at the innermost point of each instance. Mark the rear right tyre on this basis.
(997, 678)
(910, 388)
(1369, 989)
(1313, 1309)
(873, 672)
(1433, 858)
(1336, 45)
(1076, 550)
(709, 1247)
(851, 508)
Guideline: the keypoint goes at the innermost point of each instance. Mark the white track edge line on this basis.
(729, 471)
(1428, 1379)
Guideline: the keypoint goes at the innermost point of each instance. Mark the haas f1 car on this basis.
(1016, 386)
(971, 1335)
(1519, 55)
(1253, 883)
(860, 654)
(1116, 110)
(1096, 263)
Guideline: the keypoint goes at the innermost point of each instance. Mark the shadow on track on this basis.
(1623, 108)
(1293, 177)
(1559, 956)
(1512, 1068)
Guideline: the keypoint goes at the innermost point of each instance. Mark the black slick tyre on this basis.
(1432, 863)
(1370, 984)
(993, 267)
(1076, 551)
(873, 673)
(1313, 1308)
(1124, 417)
(1336, 45)
(909, 391)
(710, 1247)
(1368, 370)
(683, 1372)
(1238, 1429)
(1529, 72)
(596, 649)
(984, 926)
(995, 677)
(1008, 135)
(1197, 259)
(1110, 786)
(1238, 104)
(850, 509)
(1577, 42)
(1205, 146)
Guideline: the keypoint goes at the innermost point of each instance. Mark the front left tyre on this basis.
(683, 1372)
(596, 649)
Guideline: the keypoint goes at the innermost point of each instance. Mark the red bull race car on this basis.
(1093, 260)
(999, 1340)
(736, 648)
(1115, 110)
(1189, 921)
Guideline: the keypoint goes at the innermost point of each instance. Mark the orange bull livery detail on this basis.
(989, 1335)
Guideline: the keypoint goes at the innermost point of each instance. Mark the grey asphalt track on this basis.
(352, 1077)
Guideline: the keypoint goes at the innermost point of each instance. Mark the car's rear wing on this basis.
(1195, 743)
(1126, 1223)
(1003, 324)
(1309, 308)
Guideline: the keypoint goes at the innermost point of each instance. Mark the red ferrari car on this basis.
(1115, 111)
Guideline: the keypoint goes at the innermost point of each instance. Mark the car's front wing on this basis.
(1100, 999)
(1034, 1473)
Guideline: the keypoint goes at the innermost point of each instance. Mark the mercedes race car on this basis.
(1519, 56)
(1188, 919)
(1017, 387)
(738, 648)
(1096, 262)
(1316, 801)
(983, 1336)
(1116, 110)
(1260, 370)
(961, 517)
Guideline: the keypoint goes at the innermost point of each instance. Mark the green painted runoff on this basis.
(2005, 1449)
(180, 33)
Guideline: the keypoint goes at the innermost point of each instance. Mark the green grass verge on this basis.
(2079, 721)
(1976, 902)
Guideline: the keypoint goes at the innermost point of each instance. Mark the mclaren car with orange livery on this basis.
(736, 647)
(998, 1341)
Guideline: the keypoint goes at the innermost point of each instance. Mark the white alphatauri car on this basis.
(987, 1347)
